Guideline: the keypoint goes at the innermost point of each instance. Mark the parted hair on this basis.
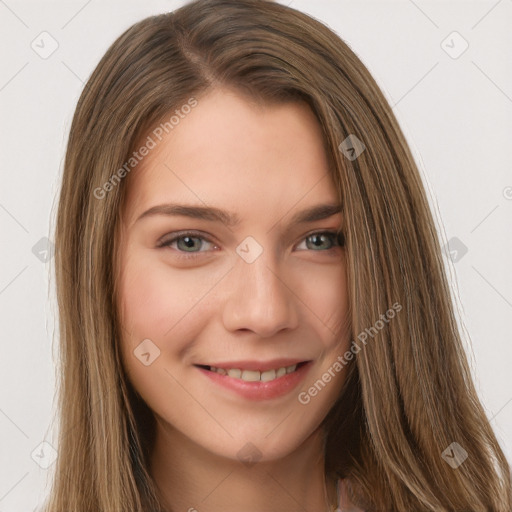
(409, 392)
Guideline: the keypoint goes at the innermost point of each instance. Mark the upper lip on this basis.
(257, 365)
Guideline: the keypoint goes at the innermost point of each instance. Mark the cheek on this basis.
(160, 304)
(328, 299)
(325, 296)
(146, 304)
(156, 303)
(154, 298)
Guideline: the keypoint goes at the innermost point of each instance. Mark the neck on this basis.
(191, 478)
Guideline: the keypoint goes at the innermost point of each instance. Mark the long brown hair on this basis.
(409, 393)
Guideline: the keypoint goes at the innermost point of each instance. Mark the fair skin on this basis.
(264, 164)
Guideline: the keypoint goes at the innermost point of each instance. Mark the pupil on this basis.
(188, 241)
(317, 240)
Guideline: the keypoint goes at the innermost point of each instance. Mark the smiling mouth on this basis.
(254, 375)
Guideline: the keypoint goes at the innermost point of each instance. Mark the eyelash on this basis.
(336, 236)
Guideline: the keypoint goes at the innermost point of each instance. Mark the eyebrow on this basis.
(312, 214)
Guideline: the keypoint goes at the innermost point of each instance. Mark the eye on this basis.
(323, 240)
(186, 242)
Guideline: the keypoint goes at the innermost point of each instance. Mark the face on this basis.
(241, 277)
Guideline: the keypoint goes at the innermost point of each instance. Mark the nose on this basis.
(258, 299)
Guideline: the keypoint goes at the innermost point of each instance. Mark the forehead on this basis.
(231, 151)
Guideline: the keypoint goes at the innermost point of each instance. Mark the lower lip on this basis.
(260, 390)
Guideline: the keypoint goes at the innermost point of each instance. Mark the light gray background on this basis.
(456, 114)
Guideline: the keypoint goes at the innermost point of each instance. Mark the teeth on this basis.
(251, 375)
(268, 375)
(255, 375)
(281, 372)
(235, 373)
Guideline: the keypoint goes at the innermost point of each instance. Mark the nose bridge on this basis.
(257, 297)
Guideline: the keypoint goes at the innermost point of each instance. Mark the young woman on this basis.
(254, 313)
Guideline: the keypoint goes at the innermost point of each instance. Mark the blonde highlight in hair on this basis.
(408, 395)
